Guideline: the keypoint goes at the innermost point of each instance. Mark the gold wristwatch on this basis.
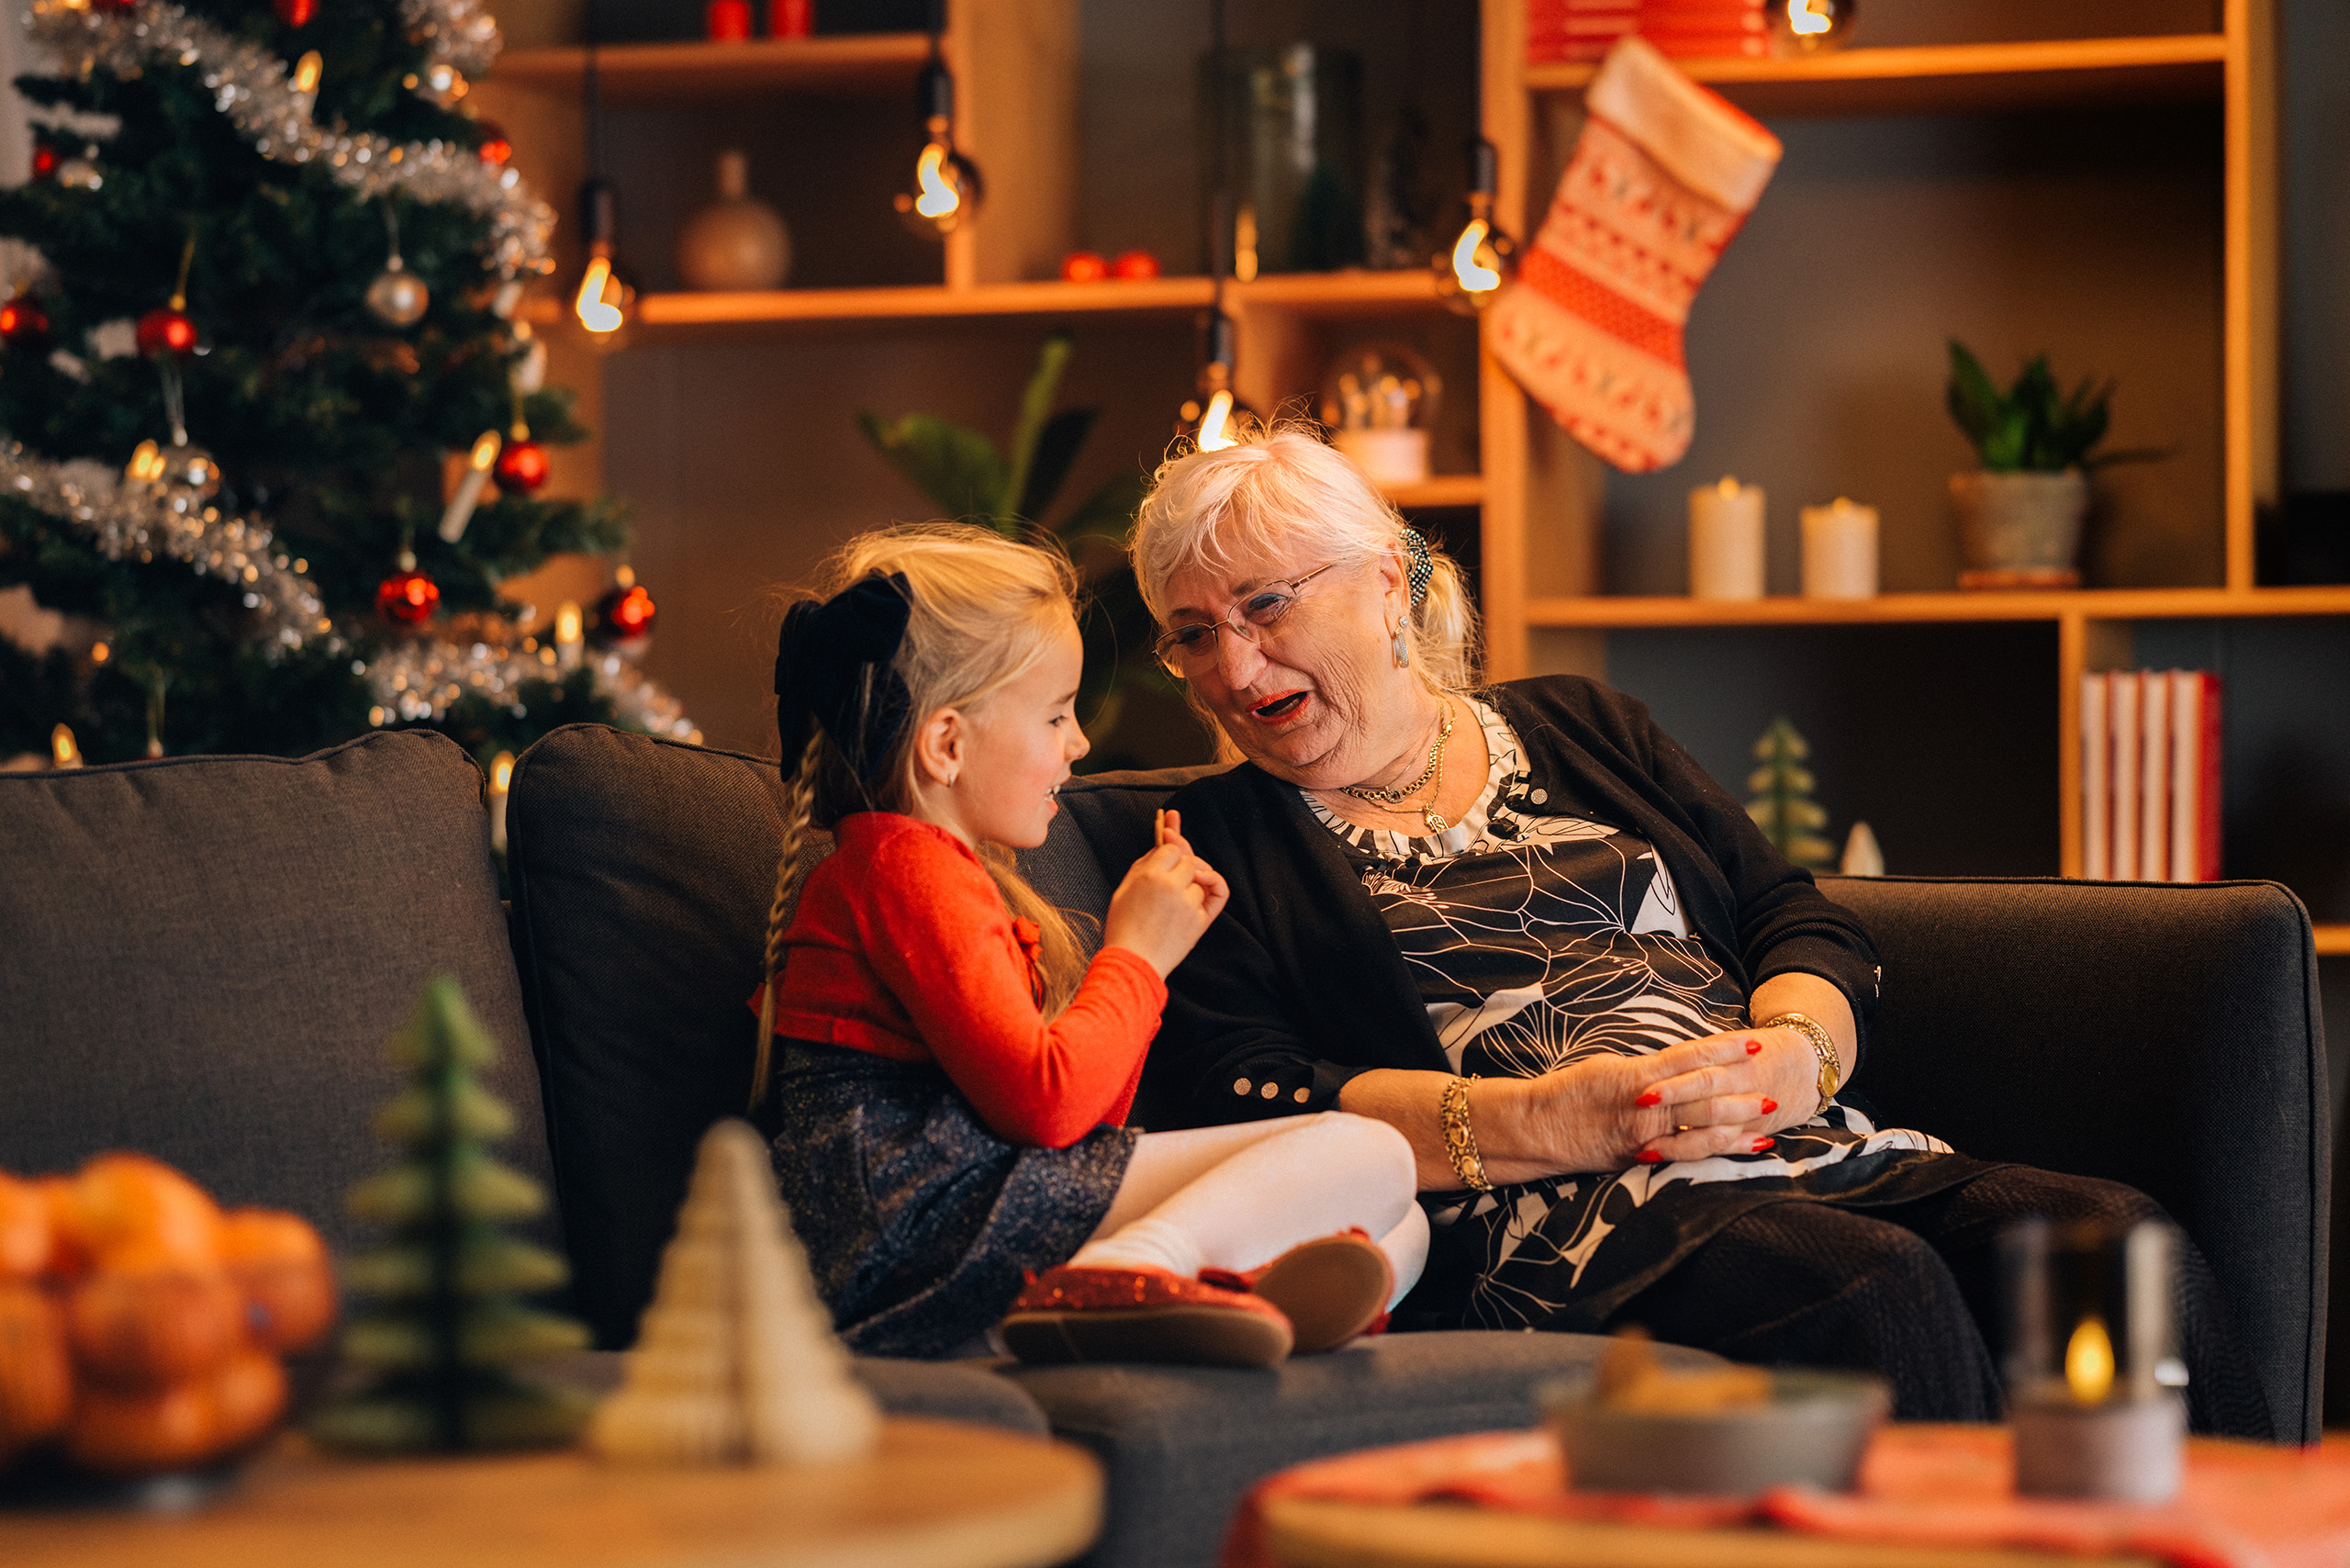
(1831, 1066)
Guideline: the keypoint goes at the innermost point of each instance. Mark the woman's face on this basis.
(1316, 698)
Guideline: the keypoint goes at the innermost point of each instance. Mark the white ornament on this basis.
(117, 338)
(1861, 856)
(397, 296)
(736, 1360)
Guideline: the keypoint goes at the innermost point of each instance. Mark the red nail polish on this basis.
(1769, 1106)
(1651, 1098)
(1763, 1143)
(1649, 1156)
(1753, 1048)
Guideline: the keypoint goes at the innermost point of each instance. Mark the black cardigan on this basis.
(1300, 987)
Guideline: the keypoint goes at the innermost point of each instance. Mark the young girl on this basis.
(950, 1074)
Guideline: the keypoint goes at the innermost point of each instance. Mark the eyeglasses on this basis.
(1192, 645)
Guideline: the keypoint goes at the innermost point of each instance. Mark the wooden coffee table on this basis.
(936, 1496)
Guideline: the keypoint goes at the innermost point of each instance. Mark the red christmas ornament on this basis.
(23, 325)
(165, 331)
(407, 598)
(727, 21)
(295, 13)
(1084, 266)
(494, 149)
(1135, 264)
(44, 160)
(521, 467)
(625, 614)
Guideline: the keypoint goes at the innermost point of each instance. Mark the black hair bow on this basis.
(833, 668)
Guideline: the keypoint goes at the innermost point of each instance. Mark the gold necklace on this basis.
(1393, 799)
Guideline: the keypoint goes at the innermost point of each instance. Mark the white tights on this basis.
(1236, 1197)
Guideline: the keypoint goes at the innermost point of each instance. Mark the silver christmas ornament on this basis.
(398, 296)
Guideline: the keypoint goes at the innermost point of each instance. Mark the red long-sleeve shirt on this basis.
(902, 947)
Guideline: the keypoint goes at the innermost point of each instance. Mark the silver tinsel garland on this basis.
(417, 681)
(138, 522)
(257, 92)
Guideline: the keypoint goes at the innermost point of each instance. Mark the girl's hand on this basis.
(1165, 901)
(1731, 1091)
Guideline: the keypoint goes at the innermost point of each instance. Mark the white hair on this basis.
(1282, 493)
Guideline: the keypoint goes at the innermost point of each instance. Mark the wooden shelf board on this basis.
(2333, 941)
(1304, 293)
(635, 74)
(1948, 78)
(1624, 611)
(1439, 490)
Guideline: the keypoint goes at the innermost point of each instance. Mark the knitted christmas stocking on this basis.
(1662, 176)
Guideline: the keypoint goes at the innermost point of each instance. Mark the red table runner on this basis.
(2242, 1506)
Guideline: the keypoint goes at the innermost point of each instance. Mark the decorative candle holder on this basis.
(1839, 551)
(2089, 1354)
(1726, 540)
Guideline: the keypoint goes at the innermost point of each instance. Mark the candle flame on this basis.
(596, 313)
(305, 73)
(501, 772)
(1472, 259)
(939, 197)
(62, 748)
(566, 623)
(484, 451)
(1215, 424)
(1729, 487)
(1808, 18)
(2088, 1362)
(146, 463)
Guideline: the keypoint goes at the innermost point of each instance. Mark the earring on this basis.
(1403, 648)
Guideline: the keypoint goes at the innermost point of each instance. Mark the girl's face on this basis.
(1007, 753)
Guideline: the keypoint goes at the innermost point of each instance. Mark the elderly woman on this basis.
(1522, 926)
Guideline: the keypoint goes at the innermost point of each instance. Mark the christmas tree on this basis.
(450, 1324)
(1783, 807)
(261, 360)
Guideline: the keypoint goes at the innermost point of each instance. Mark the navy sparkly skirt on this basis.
(919, 1221)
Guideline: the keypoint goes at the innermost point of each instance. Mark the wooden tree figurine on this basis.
(736, 1359)
(1783, 807)
(449, 1323)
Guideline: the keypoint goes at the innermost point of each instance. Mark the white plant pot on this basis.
(2019, 530)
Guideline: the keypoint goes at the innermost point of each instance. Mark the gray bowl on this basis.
(1812, 1432)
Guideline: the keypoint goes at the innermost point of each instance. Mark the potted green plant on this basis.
(2019, 515)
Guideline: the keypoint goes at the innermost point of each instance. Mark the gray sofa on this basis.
(203, 957)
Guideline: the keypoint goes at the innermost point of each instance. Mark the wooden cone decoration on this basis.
(736, 1360)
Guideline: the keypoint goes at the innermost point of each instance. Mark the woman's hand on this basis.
(1167, 900)
(1727, 1093)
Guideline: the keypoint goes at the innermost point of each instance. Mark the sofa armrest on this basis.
(2167, 1036)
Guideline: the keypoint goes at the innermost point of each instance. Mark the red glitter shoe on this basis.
(1143, 1315)
(1332, 1289)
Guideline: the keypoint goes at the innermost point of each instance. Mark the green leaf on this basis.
(1108, 514)
(958, 470)
(1036, 412)
(2003, 448)
(1056, 449)
(1974, 402)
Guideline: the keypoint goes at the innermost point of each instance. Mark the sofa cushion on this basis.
(202, 959)
(1181, 1445)
(643, 870)
(2167, 1036)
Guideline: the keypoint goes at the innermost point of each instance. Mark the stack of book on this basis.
(1586, 29)
(2150, 775)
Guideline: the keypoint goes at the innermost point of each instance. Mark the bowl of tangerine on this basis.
(144, 1331)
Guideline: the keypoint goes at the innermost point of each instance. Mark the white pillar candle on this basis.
(1726, 540)
(1839, 551)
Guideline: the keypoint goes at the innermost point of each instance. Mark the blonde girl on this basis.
(948, 1072)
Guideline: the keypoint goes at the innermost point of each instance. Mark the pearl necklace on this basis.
(1392, 799)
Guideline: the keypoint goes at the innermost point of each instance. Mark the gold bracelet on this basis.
(1823, 1046)
(1459, 1142)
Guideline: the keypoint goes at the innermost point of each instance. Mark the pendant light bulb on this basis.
(1470, 271)
(604, 300)
(946, 187)
(1216, 418)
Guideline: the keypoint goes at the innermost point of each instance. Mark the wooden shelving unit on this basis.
(1438, 491)
(2333, 941)
(1607, 611)
(1306, 296)
(634, 74)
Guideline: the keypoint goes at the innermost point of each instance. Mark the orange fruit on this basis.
(36, 1377)
(66, 1258)
(144, 1331)
(280, 1265)
(142, 1207)
(248, 1394)
(133, 1434)
(24, 1229)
